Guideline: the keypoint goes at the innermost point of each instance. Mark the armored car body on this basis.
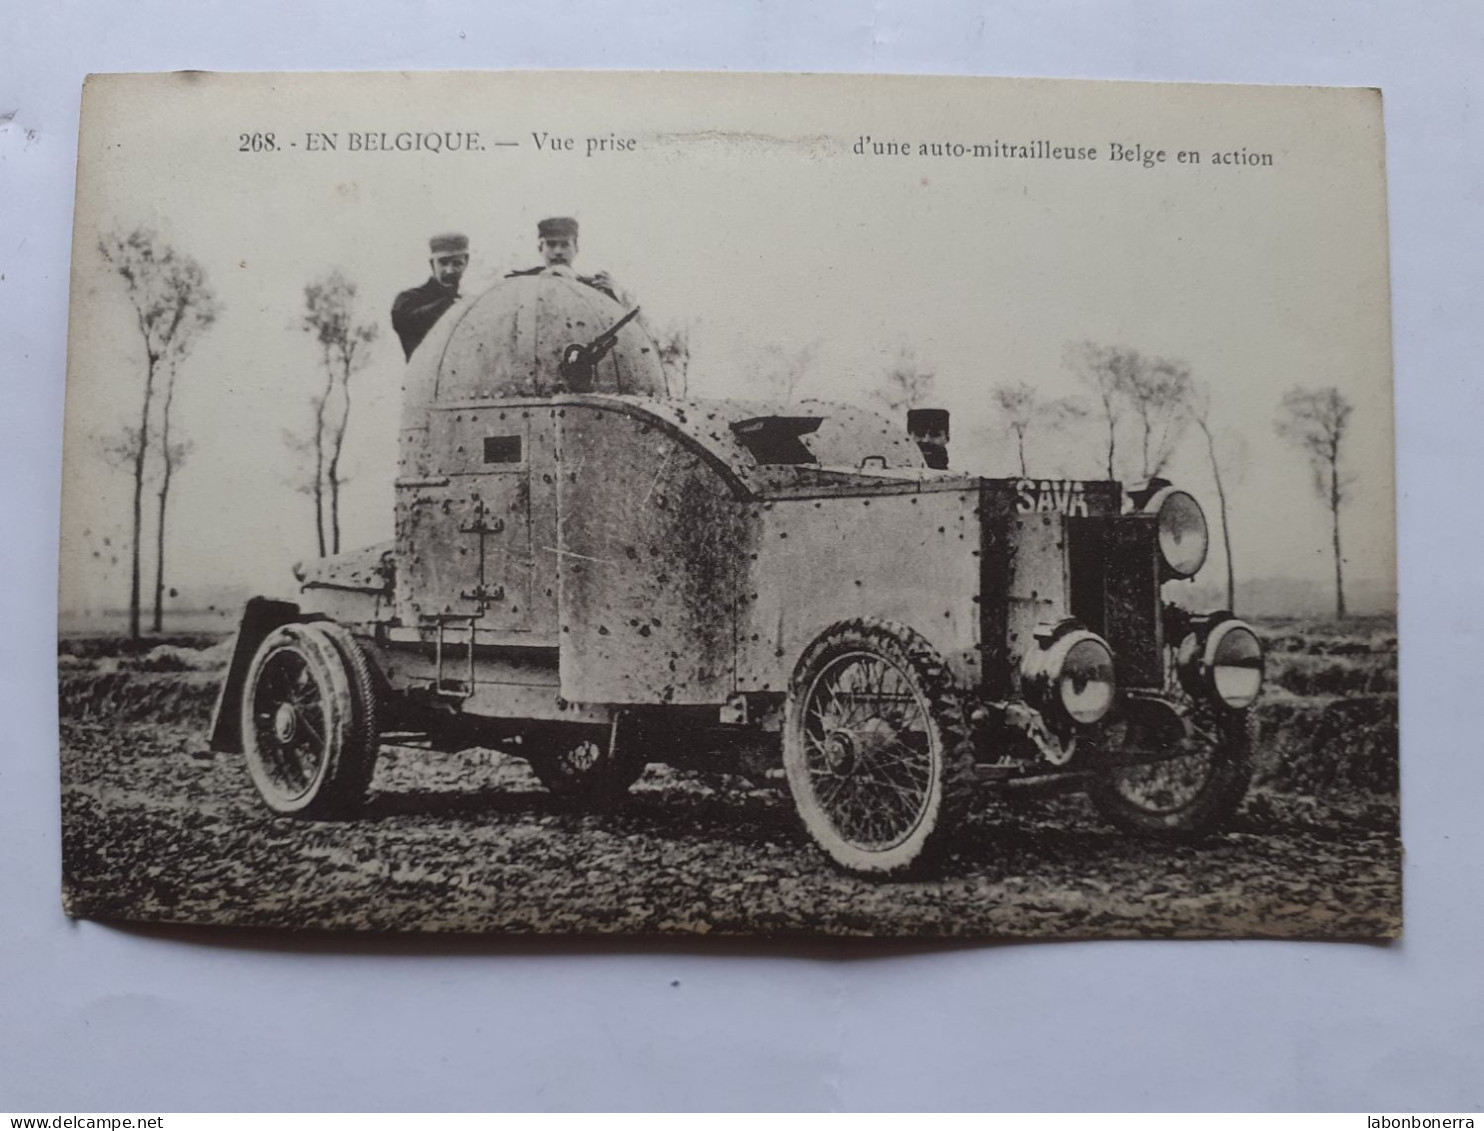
(595, 575)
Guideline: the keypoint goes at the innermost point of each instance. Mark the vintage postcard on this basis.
(770, 504)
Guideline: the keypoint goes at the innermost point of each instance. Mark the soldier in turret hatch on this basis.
(556, 240)
(415, 311)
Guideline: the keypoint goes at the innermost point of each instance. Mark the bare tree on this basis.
(173, 453)
(1219, 453)
(1105, 370)
(1155, 391)
(1315, 421)
(780, 370)
(1022, 409)
(173, 304)
(1018, 405)
(330, 318)
(1158, 392)
(674, 354)
(906, 384)
(312, 447)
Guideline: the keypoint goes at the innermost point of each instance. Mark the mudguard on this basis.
(260, 616)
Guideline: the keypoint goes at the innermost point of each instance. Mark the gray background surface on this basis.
(95, 1018)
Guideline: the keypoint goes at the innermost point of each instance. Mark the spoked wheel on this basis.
(309, 721)
(875, 748)
(1187, 796)
(576, 761)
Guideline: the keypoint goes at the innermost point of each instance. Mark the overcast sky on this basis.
(742, 209)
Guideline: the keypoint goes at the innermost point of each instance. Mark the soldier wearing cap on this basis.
(415, 311)
(556, 240)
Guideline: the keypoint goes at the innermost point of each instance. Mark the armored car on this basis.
(594, 575)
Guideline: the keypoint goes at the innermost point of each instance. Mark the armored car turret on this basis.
(596, 575)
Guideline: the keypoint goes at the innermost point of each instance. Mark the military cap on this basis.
(449, 243)
(557, 227)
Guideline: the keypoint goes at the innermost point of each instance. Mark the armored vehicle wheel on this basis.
(576, 761)
(309, 721)
(1186, 797)
(875, 748)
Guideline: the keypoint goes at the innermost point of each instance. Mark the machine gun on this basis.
(579, 360)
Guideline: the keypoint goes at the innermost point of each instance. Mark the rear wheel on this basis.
(875, 748)
(309, 721)
(1188, 796)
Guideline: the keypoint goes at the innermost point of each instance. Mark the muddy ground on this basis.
(156, 827)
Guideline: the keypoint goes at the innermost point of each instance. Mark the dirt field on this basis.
(156, 827)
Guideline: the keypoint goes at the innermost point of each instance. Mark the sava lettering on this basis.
(1050, 496)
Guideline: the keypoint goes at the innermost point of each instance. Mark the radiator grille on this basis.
(1114, 568)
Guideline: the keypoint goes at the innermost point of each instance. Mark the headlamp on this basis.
(1222, 662)
(1070, 676)
(1183, 535)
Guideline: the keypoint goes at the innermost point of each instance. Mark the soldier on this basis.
(556, 240)
(415, 311)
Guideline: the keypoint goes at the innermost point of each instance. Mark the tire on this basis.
(882, 781)
(574, 760)
(310, 725)
(1185, 798)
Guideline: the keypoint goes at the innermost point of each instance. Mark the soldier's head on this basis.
(556, 240)
(449, 258)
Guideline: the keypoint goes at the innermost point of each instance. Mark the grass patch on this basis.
(1328, 675)
(133, 697)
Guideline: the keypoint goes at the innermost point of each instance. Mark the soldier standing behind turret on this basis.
(415, 311)
(556, 240)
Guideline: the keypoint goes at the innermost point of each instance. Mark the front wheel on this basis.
(309, 721)
(875, 748)
(1185, 797)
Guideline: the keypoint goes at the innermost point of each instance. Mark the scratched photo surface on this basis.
(729, 503)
